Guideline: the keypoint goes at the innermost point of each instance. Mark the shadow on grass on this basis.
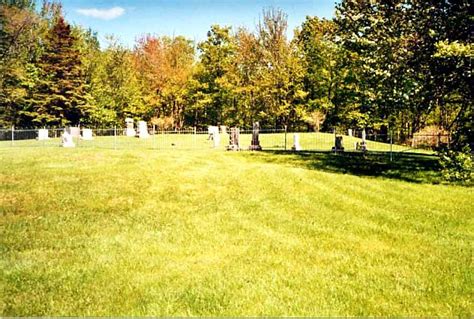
(416, 168)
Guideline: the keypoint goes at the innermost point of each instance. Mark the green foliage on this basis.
(454, 49)
(457, 166)
(399, 64)
(164, 68)
(414, 60)
(213, 91)
(115, 87)
(60, 96)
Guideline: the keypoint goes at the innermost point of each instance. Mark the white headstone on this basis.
(87, 134)
(143, 129)
(130, 131)
(349, 132)
(296, 142)
(75, 131)
(363, 145)
(214, 135)
(42, 134)
(66, 140)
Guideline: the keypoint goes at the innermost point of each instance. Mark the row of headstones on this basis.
(142, 129)
(234, 137)
(43, 134)
(362, 146)
(255, 144)
(68, 135)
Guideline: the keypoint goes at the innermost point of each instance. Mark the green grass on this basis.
(99, 232)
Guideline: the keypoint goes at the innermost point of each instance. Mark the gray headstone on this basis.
(338, 147)
(255, 144)
(234, 136)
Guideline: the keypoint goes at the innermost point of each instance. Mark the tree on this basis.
(59, 97)
(165, 66)
(406, 79)
(18, 32)
(115, 87)
(212, 90)
(280, 86)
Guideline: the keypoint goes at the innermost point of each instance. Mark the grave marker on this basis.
(296, 143)
(87, 134)
(234, 143)
(338, 147)
(43, 134)
(66, 140)
(214, 135)
(75, 131)
(130, 130)
(143, 130)
(255, 144)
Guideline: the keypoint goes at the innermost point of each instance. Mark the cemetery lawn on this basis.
(93, 232)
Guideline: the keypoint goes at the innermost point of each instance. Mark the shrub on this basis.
(457, 165)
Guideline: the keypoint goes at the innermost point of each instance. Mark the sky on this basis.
(128, 19)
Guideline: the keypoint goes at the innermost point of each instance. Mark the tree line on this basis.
(399, 65)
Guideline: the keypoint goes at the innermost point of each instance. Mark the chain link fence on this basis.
(192, 139)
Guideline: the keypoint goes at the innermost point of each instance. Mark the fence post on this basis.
(115, 137)
(154, 130)
(391, 146)
(13, 134)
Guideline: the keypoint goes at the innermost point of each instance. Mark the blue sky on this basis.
(127, 19)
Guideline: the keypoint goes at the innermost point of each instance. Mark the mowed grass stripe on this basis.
(97, 232)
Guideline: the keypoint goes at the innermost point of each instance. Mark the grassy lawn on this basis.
(99, 232)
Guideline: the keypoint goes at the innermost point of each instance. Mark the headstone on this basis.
(255, 144)
(349, 132)
(223, 129)
(296, 143)
(42, 134)
(216, 137)
(75, 131)
(338, 145)
(130, 130)
(234, 144)
(362, 146)
(143, 130)
(87, 134)
(66, 140)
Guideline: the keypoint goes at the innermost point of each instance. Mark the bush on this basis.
(457, 165)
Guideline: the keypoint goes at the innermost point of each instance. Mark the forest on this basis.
(398, 65)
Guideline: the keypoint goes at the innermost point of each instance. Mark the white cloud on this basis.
(104, 14)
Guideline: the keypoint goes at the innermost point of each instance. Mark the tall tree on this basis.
(18, 34)
(115, 87)
(213, 91)
(165, 67)
(60, 97)
(280, 86)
